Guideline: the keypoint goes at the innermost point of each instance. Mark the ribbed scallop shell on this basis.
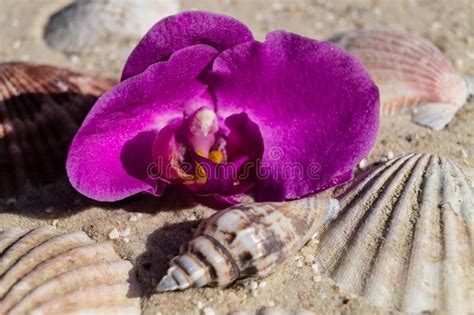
(413, 75)
(41, 107)
(246, 240)
(404, 237)
(44, 271)
(88, 25)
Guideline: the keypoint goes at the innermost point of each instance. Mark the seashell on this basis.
(41, 107)
(404, 237)
(44, 271)
(246, 240)
(412, 74)
(89, 25)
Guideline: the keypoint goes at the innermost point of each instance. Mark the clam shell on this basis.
(41, 107)
(412, 74)
(45, 271)
(404, 237)
(246, 240)
(89, 25)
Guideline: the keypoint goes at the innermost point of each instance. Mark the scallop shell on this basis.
(412, 74)
(44, 271)
(404, 237)
(246, 240)
(41, 107)
(89, 25)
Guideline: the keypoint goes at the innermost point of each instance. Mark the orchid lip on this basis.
(198, 154)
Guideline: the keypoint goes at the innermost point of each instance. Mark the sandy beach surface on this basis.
(157, 227)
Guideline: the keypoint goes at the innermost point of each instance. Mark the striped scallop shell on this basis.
(413, 75)
(247, 240)
(89, 25)
(44, 271)
(41, 107)
(404, 237)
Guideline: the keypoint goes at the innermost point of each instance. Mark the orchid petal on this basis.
(182, 30)
(109, 155)
(316, 107)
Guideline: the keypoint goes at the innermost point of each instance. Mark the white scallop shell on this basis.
(404, 237)
(41, 108)
(87, 25)
(413, 75)
(44, 271)
(247, 240)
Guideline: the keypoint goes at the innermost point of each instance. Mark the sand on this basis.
(159, 226)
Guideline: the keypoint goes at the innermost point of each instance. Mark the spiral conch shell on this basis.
(246, 240)
(41, 108)
(412, 74)
(45, 271)
(404, 237)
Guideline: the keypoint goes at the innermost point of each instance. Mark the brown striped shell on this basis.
(404, 237)
(247, 240)
(41, 107)
(45, 271)
(413, 75)
(86, 26)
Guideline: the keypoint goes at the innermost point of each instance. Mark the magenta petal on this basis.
(108, 155)
(244, 138)
(182, 30)
(315, 105)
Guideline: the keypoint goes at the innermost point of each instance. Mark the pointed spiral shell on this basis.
(404, 237)
(246, 240)
(41, 108)
(413, 75)
(45, 271)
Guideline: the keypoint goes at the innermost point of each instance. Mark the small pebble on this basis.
(133, 218)
(309, 259)
(200, 304)
(114, 234)
(253, 285)
(317, 278)
(55, 222)
(315, 268)
(49, 210)
(363, 164)
(208, 311)
(126, 232)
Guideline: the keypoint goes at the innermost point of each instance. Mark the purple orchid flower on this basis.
(204, 106)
